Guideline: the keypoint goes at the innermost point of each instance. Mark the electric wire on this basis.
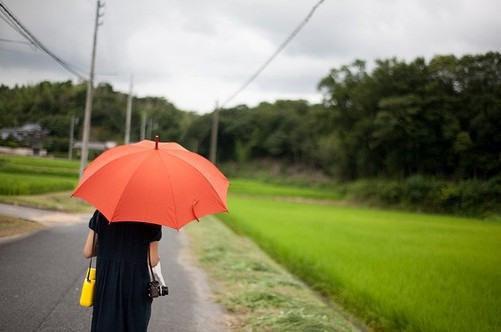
(14, 23)
(13, 41)
(274, 55)
(6, 19)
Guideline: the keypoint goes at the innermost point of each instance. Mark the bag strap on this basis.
(93, 250)
(149, 264)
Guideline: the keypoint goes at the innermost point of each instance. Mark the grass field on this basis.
(35, 175)
(401, 271)
(258, 188)
(39, 165)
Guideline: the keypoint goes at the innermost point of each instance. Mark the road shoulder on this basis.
(258, 293)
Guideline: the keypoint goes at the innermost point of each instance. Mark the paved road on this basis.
(41, 277)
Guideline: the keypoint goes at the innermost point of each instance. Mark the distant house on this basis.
(97, 146)
(30, 135)
(24, 133)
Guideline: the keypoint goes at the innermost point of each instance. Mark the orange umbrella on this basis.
(160, 183)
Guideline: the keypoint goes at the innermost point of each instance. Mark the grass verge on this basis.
(12, 226)
(58, 201)
(256, 290)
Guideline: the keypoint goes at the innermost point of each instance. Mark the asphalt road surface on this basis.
(41, 276)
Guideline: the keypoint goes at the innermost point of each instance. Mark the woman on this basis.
(121, 302)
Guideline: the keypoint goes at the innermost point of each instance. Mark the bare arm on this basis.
(87, 249)
(154, 253)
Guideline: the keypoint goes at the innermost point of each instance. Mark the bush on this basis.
(469, 197)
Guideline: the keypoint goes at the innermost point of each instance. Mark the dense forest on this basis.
(440, 117)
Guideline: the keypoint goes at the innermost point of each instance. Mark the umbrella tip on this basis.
(156, 142)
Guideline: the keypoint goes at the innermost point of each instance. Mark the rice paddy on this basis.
(397, 270)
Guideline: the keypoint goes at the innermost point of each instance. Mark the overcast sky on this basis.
(194, 52)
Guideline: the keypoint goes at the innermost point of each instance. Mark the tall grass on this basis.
(401, 271)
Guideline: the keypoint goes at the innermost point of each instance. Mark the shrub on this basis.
(469, 197)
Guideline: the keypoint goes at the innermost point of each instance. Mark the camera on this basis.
(156, 290)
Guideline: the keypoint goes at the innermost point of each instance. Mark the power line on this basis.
(274, 55)
(13, 41)
(15, 24)
(7, 20)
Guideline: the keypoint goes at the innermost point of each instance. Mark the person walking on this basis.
(121, 302)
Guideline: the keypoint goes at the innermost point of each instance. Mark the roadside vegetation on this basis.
(397, 270)
(57, 201)
(258, 293)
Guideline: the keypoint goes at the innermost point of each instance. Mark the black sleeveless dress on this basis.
(120, 299)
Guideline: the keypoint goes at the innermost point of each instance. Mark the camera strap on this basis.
(149, 264)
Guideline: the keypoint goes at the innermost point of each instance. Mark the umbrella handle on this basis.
(193, 209)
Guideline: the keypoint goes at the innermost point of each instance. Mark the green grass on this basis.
(39, 161)
(258, 293)
(23, 184)
(38, 165)
(401, 271)
(57, 201)
(20, 175)
(254, 187)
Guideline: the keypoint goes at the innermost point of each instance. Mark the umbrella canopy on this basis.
(160, 183)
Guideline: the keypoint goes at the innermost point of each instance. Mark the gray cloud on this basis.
(194, 52)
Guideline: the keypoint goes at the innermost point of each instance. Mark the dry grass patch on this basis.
(12, 226)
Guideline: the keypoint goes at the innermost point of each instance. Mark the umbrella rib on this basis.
(171, 189)
(219, 174)
(126, 185)
(203, 175)
(108, 163)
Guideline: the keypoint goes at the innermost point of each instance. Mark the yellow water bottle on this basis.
(87, 295)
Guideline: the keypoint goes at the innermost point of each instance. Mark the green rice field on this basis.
(261, 188)
(36, 175)
(397, 270)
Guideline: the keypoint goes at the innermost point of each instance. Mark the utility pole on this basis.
(143, 124)
(213, 138)
(150, 128)
(90, 86)
(74, 121)
(128, 113)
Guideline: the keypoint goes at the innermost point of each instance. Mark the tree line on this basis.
(439, 117)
